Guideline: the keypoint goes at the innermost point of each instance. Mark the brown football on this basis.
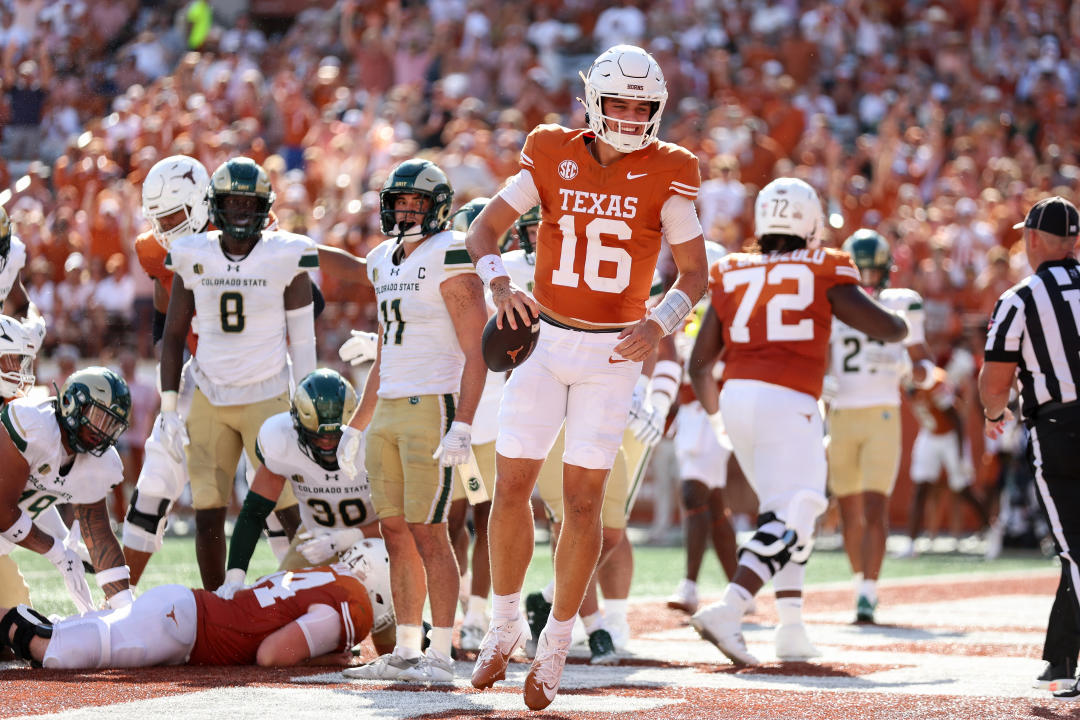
(505, 349)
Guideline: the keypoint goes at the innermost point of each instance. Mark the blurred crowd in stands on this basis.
(936, 123)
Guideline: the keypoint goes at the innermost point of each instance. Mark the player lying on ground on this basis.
(284, 619)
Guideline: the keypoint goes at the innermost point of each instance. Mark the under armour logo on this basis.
(512, 354)
(332, 477)
(395, 271)
(18, 535)
(230, 268)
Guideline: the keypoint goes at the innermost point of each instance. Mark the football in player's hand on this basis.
(505, 349)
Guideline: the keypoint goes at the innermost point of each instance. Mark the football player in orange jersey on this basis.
(771, 312)
(606, 196)
(282, 619)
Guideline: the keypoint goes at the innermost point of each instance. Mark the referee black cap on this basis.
(1054, 215)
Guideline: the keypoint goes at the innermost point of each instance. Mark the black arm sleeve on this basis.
(159, 326)
(318, 299)
(249, 525)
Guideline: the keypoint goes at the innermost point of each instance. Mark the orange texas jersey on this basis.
(929, 405)
(600, 226)
(151, 256)
(775, 315)
(230, 631)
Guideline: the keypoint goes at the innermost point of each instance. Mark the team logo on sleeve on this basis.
(568, 169)
(198, 269)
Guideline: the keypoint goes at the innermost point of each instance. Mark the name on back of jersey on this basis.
(814, 256)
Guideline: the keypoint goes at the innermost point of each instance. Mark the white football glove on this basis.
(350, 452)
(173, 435)
(319, 549)
(637, 400)
(235, 581)
(120, 599)
(360, 348)
(70, 565)
(647, 424)
(455, 445)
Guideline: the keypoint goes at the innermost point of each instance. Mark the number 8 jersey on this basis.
(600, 232)
(240, 308)
(776, 315)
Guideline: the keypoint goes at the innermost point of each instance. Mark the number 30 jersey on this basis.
(600, 232)
(240, 307)
(328, 499)
(868, 371)
(420, 350)
(776, 315)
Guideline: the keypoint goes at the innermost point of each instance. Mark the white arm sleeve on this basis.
(679, 220)
(915, 335)
(521, 193)
(301, 327)
(321, 626)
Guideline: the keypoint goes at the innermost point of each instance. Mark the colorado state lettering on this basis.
(234, 282)
(392, 287)
(581, 201)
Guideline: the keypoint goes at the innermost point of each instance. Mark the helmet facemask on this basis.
(16, 374)
(418, 177)
(407, 225)
(99, 429)
(240, 197)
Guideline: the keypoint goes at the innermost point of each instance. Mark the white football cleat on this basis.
(684, 598)
(390, 666)
(721, 625)
(792, 643)
(471, 637)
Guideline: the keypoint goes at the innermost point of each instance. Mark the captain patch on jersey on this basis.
(328, 499)
(411, 305)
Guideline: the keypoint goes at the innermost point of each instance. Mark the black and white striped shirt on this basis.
(1036, 324)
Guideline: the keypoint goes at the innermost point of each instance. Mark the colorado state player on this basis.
(283, 619)
(299, 448)
(864, 415)
(252, 293)
(607, 195)
(772, 310)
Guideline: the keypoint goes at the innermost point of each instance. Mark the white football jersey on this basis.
(868, 372)
(242, 353)
(521, 269)
(33, 428)
(9, 271)
(328, 499)
(420, 350)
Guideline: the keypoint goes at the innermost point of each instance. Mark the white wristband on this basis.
(928, 375)
(113, 574)
(169, 400)
(460, 426)
(671, 311)
(56, 553)
(19, 530)
(490, 267)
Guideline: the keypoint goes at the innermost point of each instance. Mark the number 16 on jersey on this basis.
(469, 472)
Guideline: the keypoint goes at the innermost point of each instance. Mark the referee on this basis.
(1035, 328)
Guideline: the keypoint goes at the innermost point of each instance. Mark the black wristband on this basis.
(999, 418)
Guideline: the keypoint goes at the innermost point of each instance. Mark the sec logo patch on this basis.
(568, 169)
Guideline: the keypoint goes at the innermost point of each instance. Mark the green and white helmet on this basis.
(5, 233)
(468, 212)
(530, 218)
(870, 251)
(323, 402)
(425, 178)
(94, 409)
(241, 177)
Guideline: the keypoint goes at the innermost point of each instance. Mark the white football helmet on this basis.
(630, 73)
(788, 206)
(17, 350)
(177, 183)
(370, 563)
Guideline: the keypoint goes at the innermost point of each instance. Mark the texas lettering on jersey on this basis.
(776, 315)
(600, 232)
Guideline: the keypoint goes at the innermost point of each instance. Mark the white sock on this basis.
(477, 606)
(790, 610)
(738, 597)
(615, 610)
(868, 590)
(440, 640)
(593, 622)
(409, 639)
(559, 630)
(505, 607)
(549, 591)
(686, 585)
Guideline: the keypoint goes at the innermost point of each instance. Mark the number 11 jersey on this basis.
(776, 315)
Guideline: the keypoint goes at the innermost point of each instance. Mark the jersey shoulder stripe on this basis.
(14, 430)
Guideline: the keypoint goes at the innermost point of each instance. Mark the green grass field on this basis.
(656, 570)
